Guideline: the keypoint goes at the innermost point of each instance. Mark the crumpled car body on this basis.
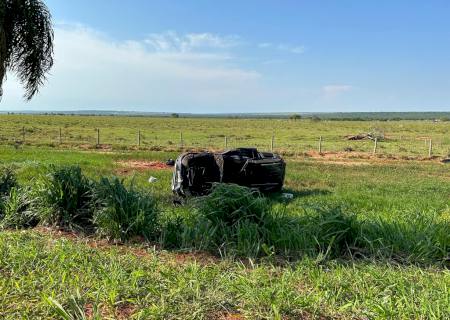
(195, 173)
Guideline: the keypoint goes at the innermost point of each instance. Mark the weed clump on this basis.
(334, 231)
(238, 221)
(66, 198)
(18, 209)
(7, 181)
(122, 213)
(231, 220)
(15, 202)
(229, 204)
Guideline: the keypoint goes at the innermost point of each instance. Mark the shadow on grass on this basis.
(331, 233)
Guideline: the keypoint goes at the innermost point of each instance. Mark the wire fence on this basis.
(400, 145)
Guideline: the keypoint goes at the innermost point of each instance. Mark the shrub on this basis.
(123, 213)
(66, 198)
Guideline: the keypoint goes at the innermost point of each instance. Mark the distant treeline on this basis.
(361, 116)
(348, 116)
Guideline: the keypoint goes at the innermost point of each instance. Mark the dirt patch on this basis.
(339, 155)
(57, 233)
(348, 163)
(100, 147)
(303, 315)
(137, 247)
(105, 245)
(352, 158)
(226, 316)
(99, 244)
(91, 311)
(128, 166)
(124, 310)
(202, 258)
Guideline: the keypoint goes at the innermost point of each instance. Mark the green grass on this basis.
(233, 221)
(404, 138)
(124, 212)
(400, 210)
(157, 286)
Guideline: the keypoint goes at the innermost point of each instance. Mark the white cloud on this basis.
(167, 72)
(272, 62)
(283, 47)
(170, 41)
(334, 90)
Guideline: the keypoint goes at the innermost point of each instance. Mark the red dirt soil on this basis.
(128, 166)
(122, 311)
(136, 246)
(367, 156)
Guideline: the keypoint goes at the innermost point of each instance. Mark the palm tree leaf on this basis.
(26, 42)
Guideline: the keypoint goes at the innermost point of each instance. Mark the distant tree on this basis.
(26, 42)
(315, 118)
(295, 117)
(175, 115)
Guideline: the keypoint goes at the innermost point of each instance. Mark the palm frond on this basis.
(26, 42)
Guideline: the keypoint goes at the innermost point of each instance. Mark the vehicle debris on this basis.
(288, 196)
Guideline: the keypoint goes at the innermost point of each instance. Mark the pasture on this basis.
(384, 253)
(406, 138)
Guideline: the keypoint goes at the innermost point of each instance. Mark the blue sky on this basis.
(246, 56)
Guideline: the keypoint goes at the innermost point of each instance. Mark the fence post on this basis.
(272, 142)
(60, 136)
(139, 138)
(23, 134)
(320, 144)
(226, 142)
(181, 139)
(375, 146)
(430, 149)
(98, 136)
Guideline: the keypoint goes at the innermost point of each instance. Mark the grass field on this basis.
(397, 266)
(402, 138)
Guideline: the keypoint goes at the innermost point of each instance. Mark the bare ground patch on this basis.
(137, 247)
(354, 158)
(225, 316)
(121, 311)
(128, 166)
(347, 163)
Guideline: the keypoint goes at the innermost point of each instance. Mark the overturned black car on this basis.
(195, 173)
